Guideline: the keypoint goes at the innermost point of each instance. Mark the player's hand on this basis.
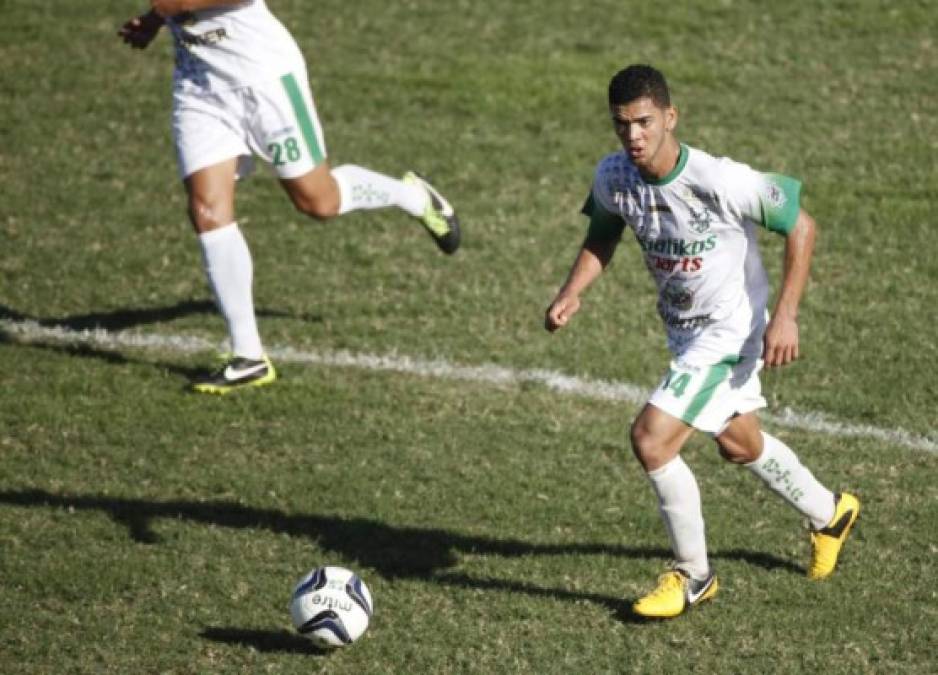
(560, 312)
(780, 344)
(140, 31)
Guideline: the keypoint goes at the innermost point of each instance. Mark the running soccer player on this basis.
(240, 89)
(695, 218)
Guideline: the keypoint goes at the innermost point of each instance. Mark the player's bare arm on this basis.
(592, 259)
(140, 31)
(167, 8)
(781, 335)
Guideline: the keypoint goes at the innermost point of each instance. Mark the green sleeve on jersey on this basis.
(780, 199)
(603, 224)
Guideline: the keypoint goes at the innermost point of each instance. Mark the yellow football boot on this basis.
(827, 542)
(676, 592)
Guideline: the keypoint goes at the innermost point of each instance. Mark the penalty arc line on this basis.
(29, 331)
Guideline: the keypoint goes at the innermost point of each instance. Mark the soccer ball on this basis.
(331, 606)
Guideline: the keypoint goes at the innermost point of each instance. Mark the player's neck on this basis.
(665, 161)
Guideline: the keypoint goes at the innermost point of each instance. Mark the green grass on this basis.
(501, 529)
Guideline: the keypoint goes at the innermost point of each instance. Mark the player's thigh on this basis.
(706, 396)
(658, 436)
(207, 131)
(211, 193)
(283, 127)
(285, 131)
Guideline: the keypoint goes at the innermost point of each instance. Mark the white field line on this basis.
(32, 332)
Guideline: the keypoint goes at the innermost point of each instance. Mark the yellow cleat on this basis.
(238, 373)
(676, 592)
(827, 542)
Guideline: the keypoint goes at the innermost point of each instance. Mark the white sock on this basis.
(230, 272)
(679, 504)
(362, 188)
(784, 473)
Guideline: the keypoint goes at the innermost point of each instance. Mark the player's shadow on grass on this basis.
(391, 551)
(118, 319)
(123, 319)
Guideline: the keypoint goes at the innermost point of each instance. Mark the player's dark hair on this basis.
(638, 81)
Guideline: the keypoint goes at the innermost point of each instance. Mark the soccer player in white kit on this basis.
(695, 217)
(240, 89)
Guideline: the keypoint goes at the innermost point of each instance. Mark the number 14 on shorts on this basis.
(676, 381)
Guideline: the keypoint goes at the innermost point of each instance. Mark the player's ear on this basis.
(670, 118)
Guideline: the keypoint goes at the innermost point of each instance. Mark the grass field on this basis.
(503, 527)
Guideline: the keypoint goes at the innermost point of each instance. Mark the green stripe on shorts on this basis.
(303, 117)
(715, 376)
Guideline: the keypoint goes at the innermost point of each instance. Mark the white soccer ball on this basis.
(331, 606)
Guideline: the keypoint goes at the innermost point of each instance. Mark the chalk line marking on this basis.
(30, 331)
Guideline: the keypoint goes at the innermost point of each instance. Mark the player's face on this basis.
(643, 129)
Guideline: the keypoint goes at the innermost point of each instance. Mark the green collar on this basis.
(675, 172)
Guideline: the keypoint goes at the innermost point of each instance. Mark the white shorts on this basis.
(275, 120)
(707, 397)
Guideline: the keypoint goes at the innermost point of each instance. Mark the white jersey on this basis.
(696, 229)
(230, 47)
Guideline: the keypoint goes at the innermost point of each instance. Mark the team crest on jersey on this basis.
(699, 213)
(699, 220)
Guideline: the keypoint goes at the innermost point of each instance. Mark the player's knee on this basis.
(646, 447)
(205, 216)
(318, 207)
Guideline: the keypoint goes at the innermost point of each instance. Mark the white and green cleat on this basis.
(439, 217)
